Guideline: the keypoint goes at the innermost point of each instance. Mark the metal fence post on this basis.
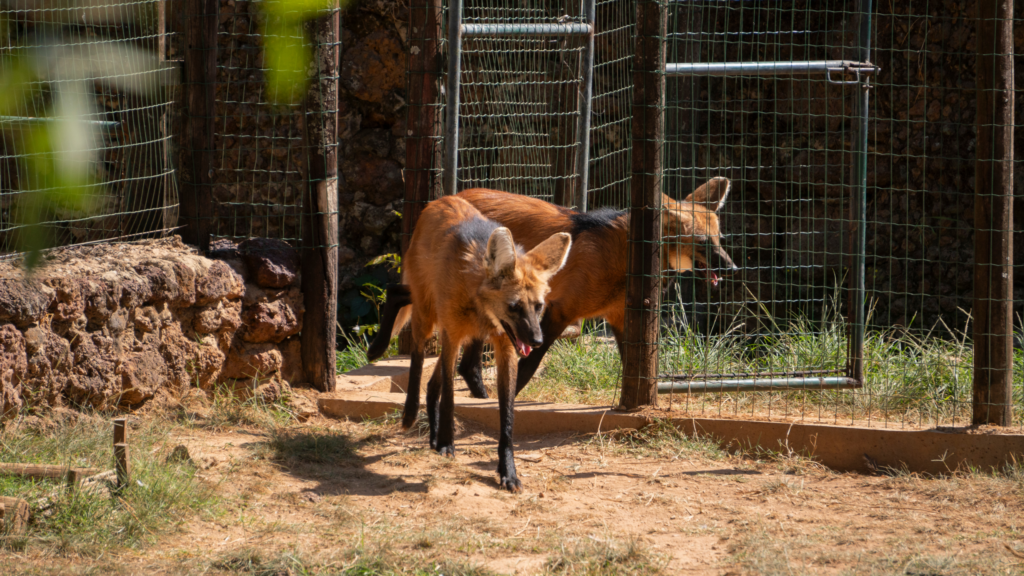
(585, 107)
(450, 177)
(643, 285)
(858, 200)
(993, 216)
(195, 160)
(320, 208)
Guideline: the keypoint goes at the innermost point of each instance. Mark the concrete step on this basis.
(391, 375)
(531, 417)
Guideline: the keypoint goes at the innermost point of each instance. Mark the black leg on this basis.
(412, 393)
(446, 417)
(444, 398)
(470, 368)
(398, 297)
(433, 395)
(506, 406)
(618, 341)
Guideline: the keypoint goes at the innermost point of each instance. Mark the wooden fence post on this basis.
(195, 158)
(421, 152)
(320, 208)
(643, 285)
(993, 217)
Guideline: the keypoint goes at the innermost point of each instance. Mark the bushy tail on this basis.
(395, 315)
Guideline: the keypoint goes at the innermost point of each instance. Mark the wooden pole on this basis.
(165, 190)
(421, 151)
(195, 160)
(122, 466)
(643, 285)
(120, 430)
(14, 515)
(320, 210)
(424, 66)
(993, 216)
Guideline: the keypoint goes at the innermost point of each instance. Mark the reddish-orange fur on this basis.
(466, 276)
(593, 282)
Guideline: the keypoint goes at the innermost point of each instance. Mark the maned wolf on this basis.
(593, 283)
(466, 275)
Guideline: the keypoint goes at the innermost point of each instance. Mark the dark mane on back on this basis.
(593, 220)
(476, 229)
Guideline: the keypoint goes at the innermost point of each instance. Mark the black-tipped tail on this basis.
(398, 297)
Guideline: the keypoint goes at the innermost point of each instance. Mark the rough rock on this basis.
(291, 361)
(302, 408)
(374, 67)
(220, 282)
(269, 389)
(22, 302)
(13, 367)
(248, 360)
(225, 315)
(271, 263)
(274, 318)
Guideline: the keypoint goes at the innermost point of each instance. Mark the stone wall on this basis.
(114, 326)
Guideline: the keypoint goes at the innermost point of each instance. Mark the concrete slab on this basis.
(843, 448)
(382, 376)
(531, 417)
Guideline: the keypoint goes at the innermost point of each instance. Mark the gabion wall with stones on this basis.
(118, 325)
(259, 166)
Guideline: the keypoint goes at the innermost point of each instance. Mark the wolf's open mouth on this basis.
(522, 348)
(709, 274)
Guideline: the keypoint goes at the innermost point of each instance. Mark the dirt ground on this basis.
(328, 496)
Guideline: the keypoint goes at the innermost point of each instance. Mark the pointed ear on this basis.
(711, 194)
(549, 256)
(501, 253)
(668, 202)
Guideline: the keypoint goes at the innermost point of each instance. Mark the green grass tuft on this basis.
(69, 521)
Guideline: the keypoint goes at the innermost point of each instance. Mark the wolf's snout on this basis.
(535, 339)
(720, 261)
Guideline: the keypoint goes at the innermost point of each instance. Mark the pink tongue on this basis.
(523, 348)
(714, 278)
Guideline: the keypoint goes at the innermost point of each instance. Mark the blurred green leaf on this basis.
(286, 46)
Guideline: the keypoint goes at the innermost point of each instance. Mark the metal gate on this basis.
(752, 92)
(518, 98)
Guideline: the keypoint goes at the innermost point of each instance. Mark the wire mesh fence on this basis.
(85, 148)
(612, 108)
(833, 216)
(519, 107)
(788, 143)
(260, 161)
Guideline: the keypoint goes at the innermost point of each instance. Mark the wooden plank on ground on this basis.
(14, 515)
(43, 471)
